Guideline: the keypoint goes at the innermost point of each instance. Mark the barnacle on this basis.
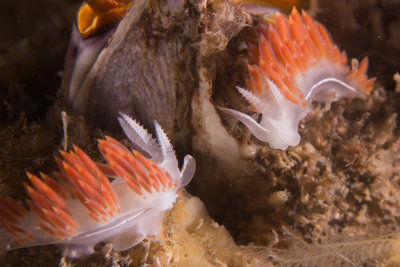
(95, 14)
(297, 63)
(83, 207)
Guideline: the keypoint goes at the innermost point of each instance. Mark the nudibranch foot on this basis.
(296, 63)
(82, 207)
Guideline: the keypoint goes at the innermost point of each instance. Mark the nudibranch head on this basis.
(96, 14)
(83, 208)
(296, 63)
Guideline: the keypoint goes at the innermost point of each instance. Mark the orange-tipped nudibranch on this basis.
(84, 208)
(297, 63)
(93, 15)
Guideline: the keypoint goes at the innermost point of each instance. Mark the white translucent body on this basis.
(280, 117)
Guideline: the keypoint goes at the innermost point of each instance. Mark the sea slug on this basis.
(296, 63)
(82, 207)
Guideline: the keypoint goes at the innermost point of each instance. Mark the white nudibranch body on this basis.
(83, 208)
(297, 63)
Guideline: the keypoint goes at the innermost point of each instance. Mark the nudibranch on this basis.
(82, 207)
(93, 15)
(296, 63)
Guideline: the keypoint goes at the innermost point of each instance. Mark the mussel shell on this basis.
(146, 69)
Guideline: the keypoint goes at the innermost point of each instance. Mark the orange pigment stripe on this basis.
(282, 27)
(38, 198)
(170, 180)
(65, 189)
(266, 52)
(74, 161)
(73, 176)
(5, 215)
(89, 164)
(89, 179)
(106, 169)
(158, 175)
(127, 169)
(313, 34)
(94, 217)
(166, 180)
(125, 176)
(93, 168)
(60, 166)
(93, 195)
(62, 234)
(16, 229)
(92, 186)
(38, 211)
(82, 200)
(362, 68)
(45, 190)
(276, 44)
(115, 145)
(109, 199)
(276, 77)
(13, 230)
(12, 207)
(146, 163)
(97, 209)
(52, 217)
(10, 230)
(54, 185)
(46, 228)
(255, 79)
(65, 217)
(139, 169)
(107, 188)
